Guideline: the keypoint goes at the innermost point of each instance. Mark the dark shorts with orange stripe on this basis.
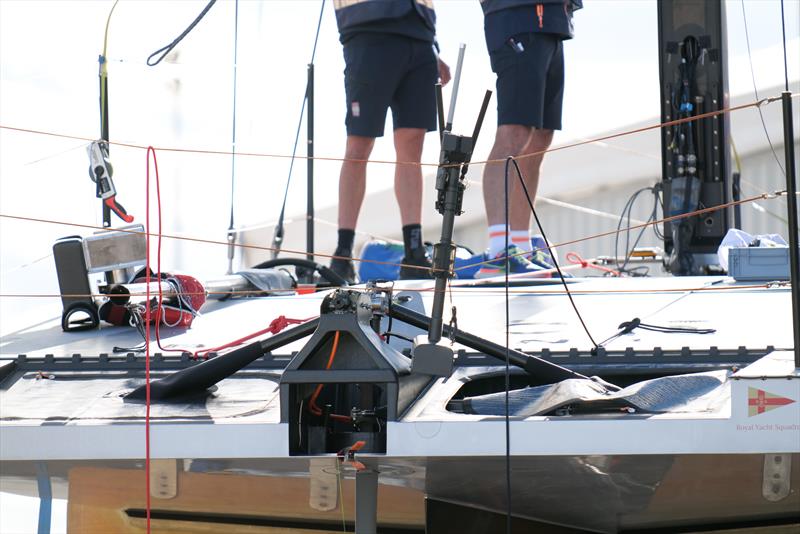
(530, 80)
(389, 71)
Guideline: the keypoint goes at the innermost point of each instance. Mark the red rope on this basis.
(277, 324)
(147, 317)
(574, 258)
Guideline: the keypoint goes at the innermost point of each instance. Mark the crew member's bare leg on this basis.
(352, 185)
(408, 173)
(408, 190)
(512, 140)
(538, 141)
(353, 179)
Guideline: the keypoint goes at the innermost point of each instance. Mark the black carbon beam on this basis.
(202, 376)
(543, 370)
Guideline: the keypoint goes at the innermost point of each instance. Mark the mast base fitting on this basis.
(434, 359)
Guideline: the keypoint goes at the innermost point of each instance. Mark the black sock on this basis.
(344, 247)
(412, 238)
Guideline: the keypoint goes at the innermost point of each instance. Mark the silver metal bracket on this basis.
(164, 479)
(431, 358)
(777, 477)
(323, 495)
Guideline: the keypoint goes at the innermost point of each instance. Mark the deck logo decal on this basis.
(760, 401)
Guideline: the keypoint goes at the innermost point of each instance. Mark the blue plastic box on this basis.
(759, 263)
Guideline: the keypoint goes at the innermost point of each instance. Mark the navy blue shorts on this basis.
(385, 70)
(530, 80)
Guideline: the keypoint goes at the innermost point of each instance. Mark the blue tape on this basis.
(45, 498)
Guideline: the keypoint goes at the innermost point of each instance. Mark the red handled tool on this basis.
(100, 172)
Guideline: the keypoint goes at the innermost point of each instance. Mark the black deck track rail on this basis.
(628, 361)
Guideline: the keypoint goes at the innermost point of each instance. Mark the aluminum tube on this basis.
(456, 80)
(215, 289)
(366, 502)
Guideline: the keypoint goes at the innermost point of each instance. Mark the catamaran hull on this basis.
(595, 493)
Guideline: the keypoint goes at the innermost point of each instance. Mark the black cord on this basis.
(167, 49)
(626, 210)
(507, 370)
(658, 191)
(389, 332)
(278, 238)
(395, 334)
(552, 256)
(626, 213)
(629, 326)
(755, 87)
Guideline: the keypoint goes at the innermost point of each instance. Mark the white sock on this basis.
(497, 239)
(522, 238)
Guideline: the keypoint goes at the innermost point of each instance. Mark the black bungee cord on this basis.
(164, 50)
(507, 369)
(547, 241)
(510, 160)
(629, 326)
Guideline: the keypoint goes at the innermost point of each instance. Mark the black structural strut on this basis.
(198, 378)
(541, 369)
(204, 375)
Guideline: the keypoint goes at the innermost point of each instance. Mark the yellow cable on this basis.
(104, 68)
(341, 494)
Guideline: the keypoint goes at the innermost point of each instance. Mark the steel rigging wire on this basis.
(277, 240)
(755, 87)
(231, 233)
(763, 196)
(723, 111)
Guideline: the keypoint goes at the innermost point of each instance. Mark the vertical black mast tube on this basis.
(104, 135)
(449, 204)
(791, 190)
(310, 164)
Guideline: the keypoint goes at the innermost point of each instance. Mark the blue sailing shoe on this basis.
(518, 263)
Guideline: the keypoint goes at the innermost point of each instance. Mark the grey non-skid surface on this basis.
(94, 397)
(540, 317)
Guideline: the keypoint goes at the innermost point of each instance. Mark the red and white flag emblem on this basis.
(760, 401)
